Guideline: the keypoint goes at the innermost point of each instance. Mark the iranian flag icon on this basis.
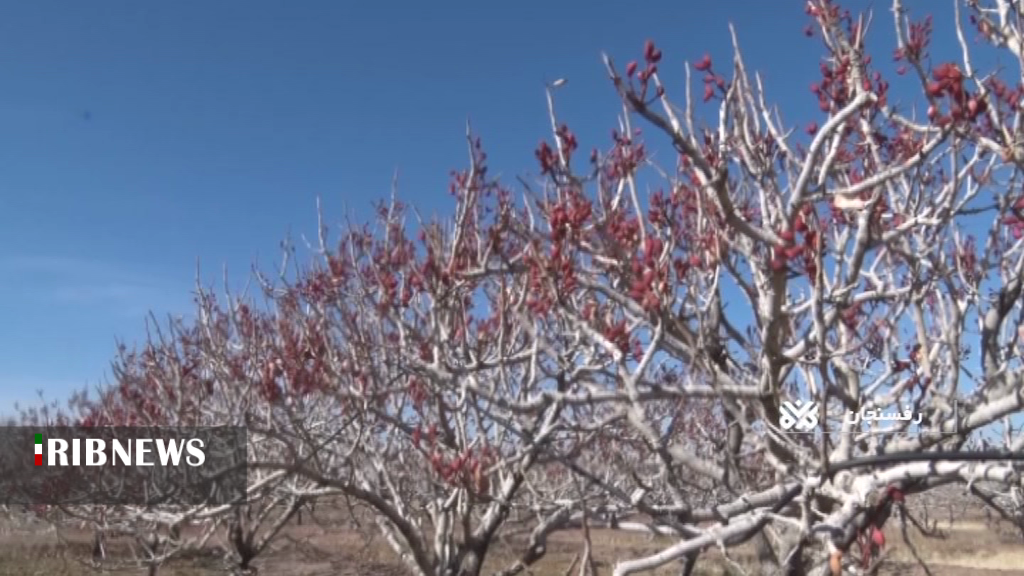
(39, 449)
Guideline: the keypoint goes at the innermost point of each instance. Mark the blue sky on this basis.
(138, 137)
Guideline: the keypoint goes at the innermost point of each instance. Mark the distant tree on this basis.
(405, 377)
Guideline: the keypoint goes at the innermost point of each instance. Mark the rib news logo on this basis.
(123, 465)
(135, 452)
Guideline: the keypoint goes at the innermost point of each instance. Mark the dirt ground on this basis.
(968, 548)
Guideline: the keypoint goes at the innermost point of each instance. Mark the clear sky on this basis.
(137, 137)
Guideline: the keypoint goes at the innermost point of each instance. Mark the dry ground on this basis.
(969, 548)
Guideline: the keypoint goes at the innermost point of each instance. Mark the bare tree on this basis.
(777, 263)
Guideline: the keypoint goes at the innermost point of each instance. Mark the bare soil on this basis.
(967, 547)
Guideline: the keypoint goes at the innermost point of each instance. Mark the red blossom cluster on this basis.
(623, 230)
(618, 334)
(824, 10)
(468, 469)
(568, 141)
(833, 92)
(650, 277)
(948, 82)
(1009, 97)
(1015, 220)
(625, 157)
(919, 36)
(568, 218)
(683, 212)
(826, 15)
(548, 157)
(901, 146)
(966, 259)
(803, 252)
(711, 80)
(652, 55)
(835, 89)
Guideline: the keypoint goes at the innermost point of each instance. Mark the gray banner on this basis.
(122, 465)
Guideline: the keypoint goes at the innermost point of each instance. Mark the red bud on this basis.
(794, 251)
(878, 537)
(651, 53)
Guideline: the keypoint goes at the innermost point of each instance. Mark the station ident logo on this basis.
(798, 417)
